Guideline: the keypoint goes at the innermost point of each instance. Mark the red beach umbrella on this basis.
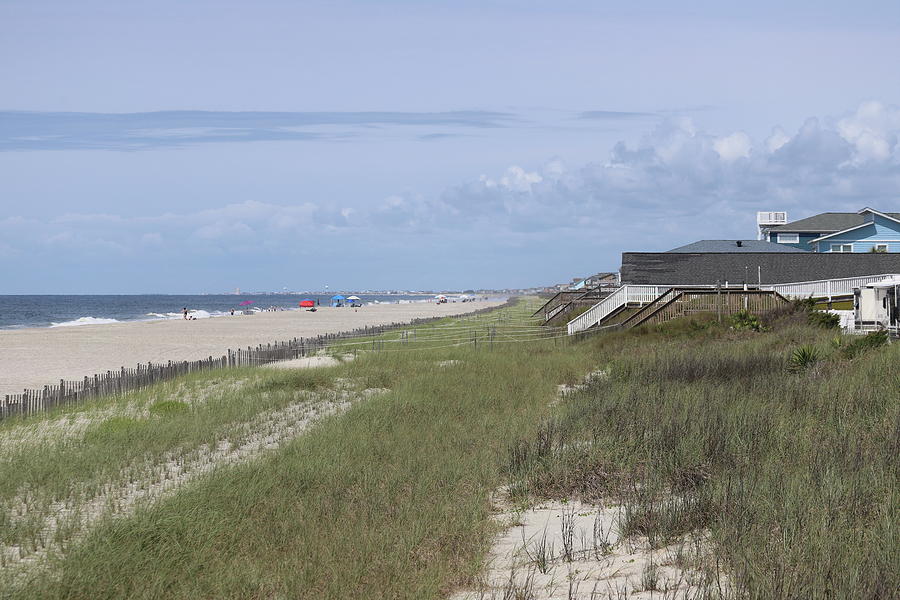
(307, 303)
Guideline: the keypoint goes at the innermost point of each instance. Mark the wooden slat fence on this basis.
(116, 383)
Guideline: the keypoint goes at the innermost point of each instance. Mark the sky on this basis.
(196, 147)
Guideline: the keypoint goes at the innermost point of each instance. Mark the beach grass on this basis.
(74, 461)
(389, 500)
(692, 427)
(789, 469)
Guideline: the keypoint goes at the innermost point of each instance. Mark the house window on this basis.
(788, 238)
(881, 247)
(842, 247)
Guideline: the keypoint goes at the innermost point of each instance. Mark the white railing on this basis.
(627, 294)
(771, 218)
(825, 288)
(599, 311)
(644, 294)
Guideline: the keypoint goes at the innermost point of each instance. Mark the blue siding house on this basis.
(861, 231)
(879, 232)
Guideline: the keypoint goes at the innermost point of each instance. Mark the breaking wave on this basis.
(85, 321)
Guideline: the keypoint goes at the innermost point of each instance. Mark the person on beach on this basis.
(232, 312)
(184, 312)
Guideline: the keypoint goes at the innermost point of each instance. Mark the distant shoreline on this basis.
(37, 356)
(42, 311)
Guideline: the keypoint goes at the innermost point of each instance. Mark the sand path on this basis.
(31, 358)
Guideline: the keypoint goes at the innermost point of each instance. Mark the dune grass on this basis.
(72, 462)
(91, 441)
(387, 501)
(694, 427)
(791, 469)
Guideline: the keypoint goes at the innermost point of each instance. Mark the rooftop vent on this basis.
(740, 244)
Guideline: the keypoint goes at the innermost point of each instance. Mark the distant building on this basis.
(594, 280)
(867, 230)
(601, 279)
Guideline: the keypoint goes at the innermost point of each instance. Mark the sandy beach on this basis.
(32, 358)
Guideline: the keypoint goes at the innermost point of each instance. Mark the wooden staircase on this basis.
(682, 302)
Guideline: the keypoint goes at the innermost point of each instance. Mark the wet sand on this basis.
(32, 358)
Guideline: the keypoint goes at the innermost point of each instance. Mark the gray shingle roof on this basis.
(825, 223)
(732, 246)
(679, 268)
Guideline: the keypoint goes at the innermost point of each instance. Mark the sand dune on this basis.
(31, 358)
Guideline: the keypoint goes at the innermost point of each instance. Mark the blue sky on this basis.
(203, 146)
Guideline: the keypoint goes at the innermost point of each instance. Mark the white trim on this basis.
(866, 224)
(879, 213)
(865, 241)
(842, 244)
(779, 236)
(767, 286)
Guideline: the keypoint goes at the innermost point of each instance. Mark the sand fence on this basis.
(118, 382)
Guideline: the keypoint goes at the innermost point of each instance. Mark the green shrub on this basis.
(745, 321)
(804, 357)
(825, 320)
(804, 304)
(867, 342)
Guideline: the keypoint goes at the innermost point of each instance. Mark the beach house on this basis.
(867, 230)
(605, 278)
(829, 257)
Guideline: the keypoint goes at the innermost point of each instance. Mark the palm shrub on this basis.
(804, 357)
(745, 321)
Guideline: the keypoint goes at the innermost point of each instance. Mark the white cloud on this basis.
(732, 147)
(872, 130)
(224, 230)
(554, 168)
(777, 139)
(515, 179)
(678, 173)
(676, 184)
(228, 231)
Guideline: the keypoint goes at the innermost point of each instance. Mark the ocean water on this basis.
(72, 311)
